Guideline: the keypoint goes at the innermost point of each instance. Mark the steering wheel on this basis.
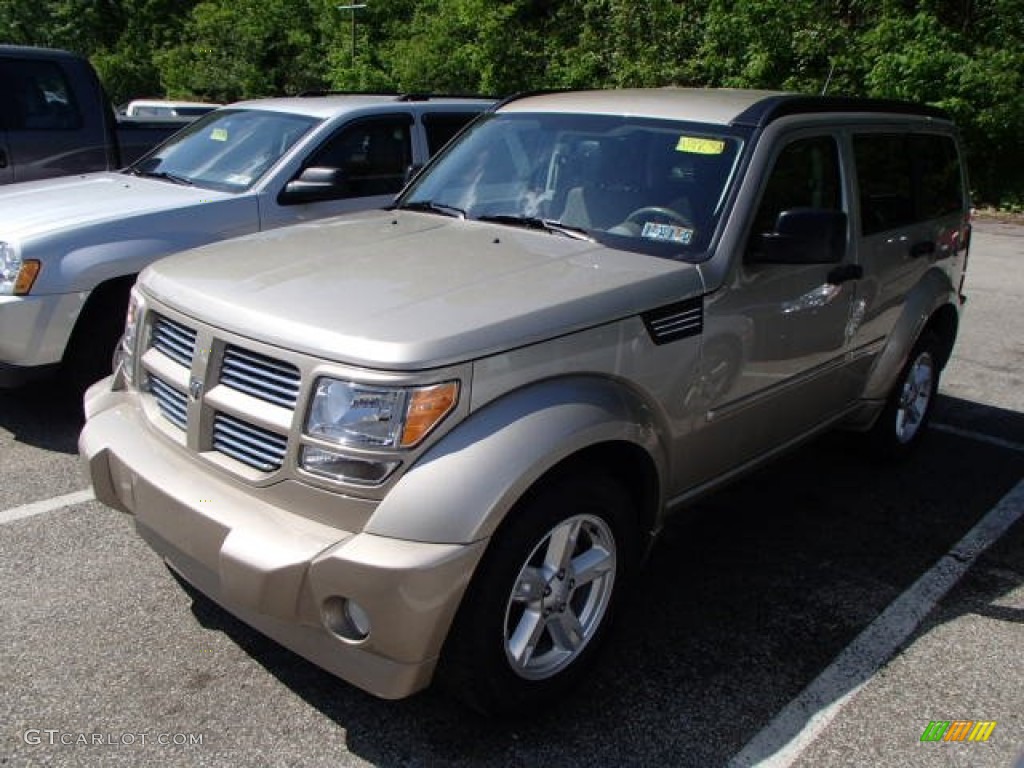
(656, 210)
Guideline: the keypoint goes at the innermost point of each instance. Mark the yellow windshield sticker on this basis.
(698, 146)
(219, 134)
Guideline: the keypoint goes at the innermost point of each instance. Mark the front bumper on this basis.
(272, 568)
(34, 331)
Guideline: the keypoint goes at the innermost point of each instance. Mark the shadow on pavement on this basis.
(741, 605)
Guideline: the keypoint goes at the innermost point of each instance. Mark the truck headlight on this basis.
(124, 354)
(359, 416)
(16, 275)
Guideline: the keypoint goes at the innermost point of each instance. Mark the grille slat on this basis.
(262, 377)
(254, 446)
(172, 403)
(174, 340)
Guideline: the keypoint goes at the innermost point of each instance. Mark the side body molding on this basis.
(462, 488)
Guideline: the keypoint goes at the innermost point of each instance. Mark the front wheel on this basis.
(543, 597)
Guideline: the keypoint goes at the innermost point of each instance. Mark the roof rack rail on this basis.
(412, 96)
(775, 107)
(314, 93)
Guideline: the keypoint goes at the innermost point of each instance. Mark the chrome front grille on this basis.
(174, 339)
(262, 377)
(252, 445)
(172, 403)
(197, 394)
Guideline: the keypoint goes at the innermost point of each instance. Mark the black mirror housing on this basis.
(804, 236)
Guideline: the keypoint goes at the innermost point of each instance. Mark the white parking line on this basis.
(979, 436)
(46, 505)
(783, 740)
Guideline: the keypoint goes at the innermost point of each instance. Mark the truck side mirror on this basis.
(313, 184)
(803, 236)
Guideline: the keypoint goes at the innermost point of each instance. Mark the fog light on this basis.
(345, 618)
(345, 468)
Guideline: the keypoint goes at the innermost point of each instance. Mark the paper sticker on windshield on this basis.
(696, 145)
(219, 134)
(238, 179)
(669, 233)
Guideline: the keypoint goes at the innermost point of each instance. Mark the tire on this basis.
(90, 351)
(901, 425)
(543, 597)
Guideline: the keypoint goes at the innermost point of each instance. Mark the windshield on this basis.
(654, 186)
(227, 150)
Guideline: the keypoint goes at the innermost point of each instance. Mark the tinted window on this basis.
(374, 154)
(938, 174)
(884, 177)
(37, 97)
(442, 126)
(805, 175)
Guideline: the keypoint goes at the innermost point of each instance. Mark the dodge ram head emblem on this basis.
(195, 388)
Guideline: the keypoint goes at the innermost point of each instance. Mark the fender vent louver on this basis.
(675, 321)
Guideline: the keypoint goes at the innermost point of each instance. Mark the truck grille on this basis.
(262, 377)
(255, 446)
(172, 403)
(174, 340)
(243, 434)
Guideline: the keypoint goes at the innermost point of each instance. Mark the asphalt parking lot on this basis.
(822, 612)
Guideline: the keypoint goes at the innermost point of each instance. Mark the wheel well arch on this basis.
(105, 295)
(944, 323)
(629, 464)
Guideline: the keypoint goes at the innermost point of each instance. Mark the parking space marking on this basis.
(46, 505)
(801, 721)
(949, 429)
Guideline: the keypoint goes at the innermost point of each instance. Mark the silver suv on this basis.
(441, 437)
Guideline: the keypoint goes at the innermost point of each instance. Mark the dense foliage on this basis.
(964, 55)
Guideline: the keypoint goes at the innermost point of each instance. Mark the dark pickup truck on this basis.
(55, 118)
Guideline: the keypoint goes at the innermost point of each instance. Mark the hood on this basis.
(403, 290)
(36, 209)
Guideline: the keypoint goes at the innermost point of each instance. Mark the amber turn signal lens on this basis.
(427, 407)
(26, 277)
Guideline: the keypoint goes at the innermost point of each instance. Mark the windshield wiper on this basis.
(166, 176)
(432, 207)
(535, 222)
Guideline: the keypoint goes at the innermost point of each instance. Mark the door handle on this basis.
(924, 248)
(844, 273)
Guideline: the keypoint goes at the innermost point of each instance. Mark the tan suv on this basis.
(441, 437)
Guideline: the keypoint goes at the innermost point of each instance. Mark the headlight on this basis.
(16, 275)
(360, 416)
(124, 354)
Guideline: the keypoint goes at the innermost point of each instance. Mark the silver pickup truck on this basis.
(70, 248)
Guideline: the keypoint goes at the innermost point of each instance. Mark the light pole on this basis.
(353, 7)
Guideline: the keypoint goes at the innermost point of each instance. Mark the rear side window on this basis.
(937, 167)
(906, 178)
(36, 96)
(440, 127)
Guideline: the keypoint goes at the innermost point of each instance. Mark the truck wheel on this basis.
(542, 599)
(90, 351)
(902, 422)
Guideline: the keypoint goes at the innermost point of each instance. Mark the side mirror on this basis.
(315, 183)
(803, 236)
(412, 171)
